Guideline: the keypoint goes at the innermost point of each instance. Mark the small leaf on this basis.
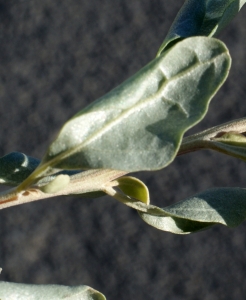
(230, 143)
(56, 185)
(226, 206)
(238, 151)
(134, 187)
(203, 17)
(222, 138)
(15, 167)
(158, 217)
(232, 138)
(139, 125)
(9, 290)
(47, 179)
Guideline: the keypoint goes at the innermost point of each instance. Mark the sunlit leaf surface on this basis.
(9, 290)
(139, 125)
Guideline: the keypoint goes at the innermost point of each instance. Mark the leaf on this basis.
(232, 138)
(52, 292)
(139, 125)
(228, 138)
(134, 187)
(226, 206)
(58, 184)
(203, 17)
(44, 181)
(158, 217)
(230, 143)
(15, 167)
(237, 150)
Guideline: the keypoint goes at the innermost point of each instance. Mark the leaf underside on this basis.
(226, 206)
(133, 187)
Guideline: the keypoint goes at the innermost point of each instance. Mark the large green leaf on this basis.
(139, 125)
(173, 224)
(9, 290)
(226, 206)
(203, 17)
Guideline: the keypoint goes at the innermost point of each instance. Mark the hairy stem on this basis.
(81, 183)
(203, 140)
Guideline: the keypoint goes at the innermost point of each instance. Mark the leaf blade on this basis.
(230, 143)
(225, 206)
(16, 167)
(201, 18)
(172, 224)
(133, 187)
(118, 126)
(9, 290)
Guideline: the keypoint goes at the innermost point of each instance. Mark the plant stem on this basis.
(81, 183)
(203, 140)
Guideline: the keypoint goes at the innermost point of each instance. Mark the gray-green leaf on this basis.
(238, 151)
(15, 167)
(9, 290)
(139, 125)
(203, 17)
(226, 206)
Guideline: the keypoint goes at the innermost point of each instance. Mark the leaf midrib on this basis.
(126, 112)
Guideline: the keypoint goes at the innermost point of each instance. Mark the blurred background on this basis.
(55, 58)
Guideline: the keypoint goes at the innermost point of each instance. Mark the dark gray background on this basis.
(56, 57)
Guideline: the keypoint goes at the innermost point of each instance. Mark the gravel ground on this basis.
(55, 58)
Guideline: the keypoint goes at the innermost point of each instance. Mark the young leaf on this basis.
(58, 184)
(232, 138)
(158, 217)
(173, 224)
(230, 143)
(227, 138)
(237, 150)
(226, 206)
(139, 125)
(15, 167)
(9, 290)
(134, 187)
(203, 17)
